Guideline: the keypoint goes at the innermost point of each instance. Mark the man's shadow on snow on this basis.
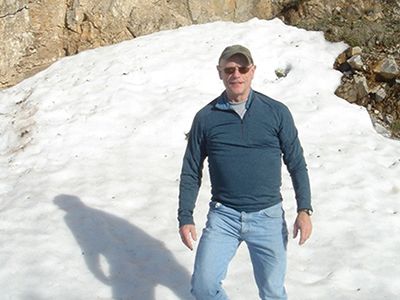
(122, 255)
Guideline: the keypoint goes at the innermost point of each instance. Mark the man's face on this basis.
(235, 78)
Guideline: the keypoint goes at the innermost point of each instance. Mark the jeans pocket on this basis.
(274, 211)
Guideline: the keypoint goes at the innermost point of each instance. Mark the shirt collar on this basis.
(223, 101)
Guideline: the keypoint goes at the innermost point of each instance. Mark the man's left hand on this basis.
(302, 223)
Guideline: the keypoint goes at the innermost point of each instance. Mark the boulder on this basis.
(356, 62)
(387, 69)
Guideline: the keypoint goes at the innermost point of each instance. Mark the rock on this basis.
(14, 22)
(350, 60)
(352, 51)
(347, 92)
(387, 69)
(341, 63)
(361, 86)
(389, 118)
(380, 95)
(237, 10)
(342, 58)
(354, 89)
(282, 72)
(356, 62)
(373, 14)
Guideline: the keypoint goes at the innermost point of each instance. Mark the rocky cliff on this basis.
(33, 34)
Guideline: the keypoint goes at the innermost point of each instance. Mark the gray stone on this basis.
(361, 86)
(387, 69)
(380, 94)
(356, 62)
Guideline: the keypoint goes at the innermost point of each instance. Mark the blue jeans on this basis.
(265, 234)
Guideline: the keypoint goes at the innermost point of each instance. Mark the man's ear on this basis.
(254, 69)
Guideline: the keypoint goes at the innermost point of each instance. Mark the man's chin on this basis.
(236, 90)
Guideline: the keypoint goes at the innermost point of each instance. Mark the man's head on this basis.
(236, 70)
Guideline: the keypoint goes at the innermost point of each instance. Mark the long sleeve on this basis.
(294, 160)
(192, 170)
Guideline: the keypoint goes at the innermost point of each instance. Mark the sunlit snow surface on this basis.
(91, 152)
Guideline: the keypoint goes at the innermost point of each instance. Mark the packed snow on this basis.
(91, 151)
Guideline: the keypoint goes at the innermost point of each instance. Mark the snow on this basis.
(91, 151)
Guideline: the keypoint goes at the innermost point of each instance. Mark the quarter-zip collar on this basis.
(223, 101)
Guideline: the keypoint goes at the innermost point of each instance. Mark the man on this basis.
(245, 135)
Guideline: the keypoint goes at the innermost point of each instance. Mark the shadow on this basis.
(122, 255)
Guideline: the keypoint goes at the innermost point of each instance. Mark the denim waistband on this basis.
(216, 204)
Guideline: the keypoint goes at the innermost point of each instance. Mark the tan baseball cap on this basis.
(236, 49)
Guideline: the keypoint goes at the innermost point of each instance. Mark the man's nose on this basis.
(236, 73)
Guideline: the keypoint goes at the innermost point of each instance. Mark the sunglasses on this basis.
(242, 70)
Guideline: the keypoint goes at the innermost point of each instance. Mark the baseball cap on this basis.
(236, 49)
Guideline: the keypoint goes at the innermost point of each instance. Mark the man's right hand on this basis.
(188, 235)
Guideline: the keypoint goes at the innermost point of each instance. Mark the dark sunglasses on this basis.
(242, 70)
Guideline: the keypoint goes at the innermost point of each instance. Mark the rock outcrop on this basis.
(36, 33)
(33, 34)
